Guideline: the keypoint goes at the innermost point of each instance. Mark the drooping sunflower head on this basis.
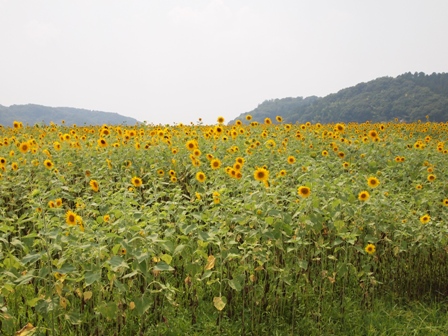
(94, 185)
(373, 182)
(304, 191)
(261, 174)
(137, 181)
(363, 196)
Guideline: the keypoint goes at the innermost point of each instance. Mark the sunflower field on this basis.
(251, 228)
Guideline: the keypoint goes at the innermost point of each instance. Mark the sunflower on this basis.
(172, 173)
(445, 202)
(70, 217)
(200, 176)
(267, 121)
(261, 174)
(58, 202)
(2, 161)
(240, 160)
(215, 163)
(431, 177)
(419, 187)
(279, 119)
(370, 249)
(345, 164)
(102, 142)
(220, 120)
(191, 145)
(24, 147)
(373, 134)
(48, 164)
(425, 219)
(160, 172)
(304, 191)
(14, 166)
(137, 181)
(363, 196)
(324, 153)
(51, 204)
(341, 155)
(173, 179)
(94, 185)
(291, 159)
(373, 182)
(106, 218)
(282, 173)
(57, 145)
(248, 117)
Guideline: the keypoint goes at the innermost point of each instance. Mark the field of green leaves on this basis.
(251, 229)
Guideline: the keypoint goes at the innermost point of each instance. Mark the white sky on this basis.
(167, 61)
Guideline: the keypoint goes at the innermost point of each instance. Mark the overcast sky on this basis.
(167, 61)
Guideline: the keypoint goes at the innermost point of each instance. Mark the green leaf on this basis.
(237, 282)
(108, 309)
(303, 264)
(163, 266)
(92, 276)
(24, 279)
(142, 304)
(116, 262)
(32, 257)
(67, 268)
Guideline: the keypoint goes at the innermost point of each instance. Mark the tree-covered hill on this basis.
(409, 97)
(37, 114)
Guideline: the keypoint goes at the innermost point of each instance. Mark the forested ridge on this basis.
(32, 114)
(408, 97)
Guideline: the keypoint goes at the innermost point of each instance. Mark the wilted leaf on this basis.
(27, 330)
(210, 263)
(87, 295)
(219, 303)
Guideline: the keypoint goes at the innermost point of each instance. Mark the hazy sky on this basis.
(168, 61)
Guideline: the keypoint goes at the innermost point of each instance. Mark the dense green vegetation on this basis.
(408, 97)
(37, 114)
(324, 229)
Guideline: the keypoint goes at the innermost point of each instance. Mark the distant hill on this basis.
(32, 114)
(409, 97)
